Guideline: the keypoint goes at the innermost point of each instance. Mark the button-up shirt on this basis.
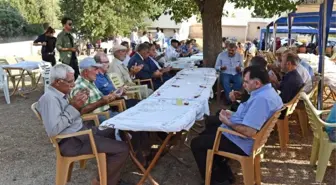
(116, 66)
(254, 113)
(290, 85)
(95, 94)
(134, 37)
(104, 84)
(58, 116)
(171, 53)
(65, 40)
(231, 63)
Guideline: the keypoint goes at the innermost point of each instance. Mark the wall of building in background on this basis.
(253, 30)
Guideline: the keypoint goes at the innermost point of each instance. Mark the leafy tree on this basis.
(211, 12)
(11, 22)
(98, 18)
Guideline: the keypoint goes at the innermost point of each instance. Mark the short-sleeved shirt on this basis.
(254, 113)
(231, 63)
(104, 84)
(290, 85)
(95, 94)
(306, 65)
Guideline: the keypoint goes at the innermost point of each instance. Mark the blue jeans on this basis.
(226, 80)
(103, 118)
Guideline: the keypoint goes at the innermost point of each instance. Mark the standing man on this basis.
(230, 64)
(144, 37)
(134, 38)
(66, 46)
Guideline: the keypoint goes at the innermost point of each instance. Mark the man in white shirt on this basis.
(128, 51)
(176, 35)
(172, 51)
(159, 37)
(144, 37)
(134, 38)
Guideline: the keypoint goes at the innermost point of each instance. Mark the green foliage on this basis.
(11, 22)
(102, 18)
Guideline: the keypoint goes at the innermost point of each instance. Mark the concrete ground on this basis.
(28, 158)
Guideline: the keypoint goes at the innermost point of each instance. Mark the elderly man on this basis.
(172, 51)
(104, 83)
(146, 72)
(96, 102)
(154, 65)
(230, 64)
(248, 120)
(118, 67)
(62, 116)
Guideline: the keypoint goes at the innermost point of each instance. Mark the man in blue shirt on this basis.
(139, 58)
(103, 81)
(230, 64)
(248, 120)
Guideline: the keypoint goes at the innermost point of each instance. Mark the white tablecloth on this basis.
(329, 68)
(186, 62)
(26, 65)
(160, 111)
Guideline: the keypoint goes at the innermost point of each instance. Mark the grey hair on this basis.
(98, 56)
(59, 71)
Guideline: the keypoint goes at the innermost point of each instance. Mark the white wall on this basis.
(24, 48)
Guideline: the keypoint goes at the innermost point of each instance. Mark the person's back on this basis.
(290, 86)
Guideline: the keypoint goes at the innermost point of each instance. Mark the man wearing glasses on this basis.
(66, 46)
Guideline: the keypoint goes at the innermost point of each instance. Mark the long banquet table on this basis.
(174, 107)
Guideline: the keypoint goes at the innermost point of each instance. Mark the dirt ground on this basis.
(28, 158)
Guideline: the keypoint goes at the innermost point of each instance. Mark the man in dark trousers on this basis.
(66, 46)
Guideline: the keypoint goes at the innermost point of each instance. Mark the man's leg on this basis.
(237, 81)
(200, 146)
(116, 151)
(74, 65)
(225, 80)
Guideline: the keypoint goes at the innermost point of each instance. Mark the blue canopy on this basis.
(295, 29)
(311, 19)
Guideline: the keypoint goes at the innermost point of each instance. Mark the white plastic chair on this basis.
(4, 84)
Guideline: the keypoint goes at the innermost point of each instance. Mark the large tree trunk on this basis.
(211, 12)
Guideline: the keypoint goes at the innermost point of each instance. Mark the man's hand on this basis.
(224, 117)
(238, 69)
(232, 96)
(79, 100)
(44, 43)
(223, 68)
(136, 68)
(73, 49)
(157, 74)
(109, 98)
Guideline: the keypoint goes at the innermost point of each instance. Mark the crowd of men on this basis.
(87, 88)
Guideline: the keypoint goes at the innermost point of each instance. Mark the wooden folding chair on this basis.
(64, 165)
(145, 81)
(283, 125)
(250, 164)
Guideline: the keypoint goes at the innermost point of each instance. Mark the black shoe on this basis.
(219, 183)
(121, 182)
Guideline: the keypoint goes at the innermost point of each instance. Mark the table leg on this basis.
(157, 155)
(16, 86)
(135, 160)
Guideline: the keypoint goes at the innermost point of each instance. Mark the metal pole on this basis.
(323, 26)
(274, 36)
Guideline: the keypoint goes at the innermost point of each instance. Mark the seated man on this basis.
(187, 49)
(291, 82)
(104, 83)
(154, 65)
(128, 51)
(146, 72)
(194, 46)
(173, 52)
(248, 120)
(61, 116)
(96, 102)
(230, 63)
(117, 66)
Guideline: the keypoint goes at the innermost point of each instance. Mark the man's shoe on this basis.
(121, 182)
(219, 183)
